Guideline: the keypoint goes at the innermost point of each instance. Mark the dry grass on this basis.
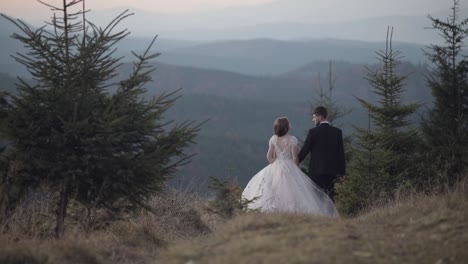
(413, 229)
(34, 218)
(416, 229)
(27, 235)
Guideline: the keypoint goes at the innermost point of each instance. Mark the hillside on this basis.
(420, 229)
(294, 86)
(257, 57)
(240, 109)
(241, 86)
(273, 57)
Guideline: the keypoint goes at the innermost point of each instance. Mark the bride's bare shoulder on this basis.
(272, 139)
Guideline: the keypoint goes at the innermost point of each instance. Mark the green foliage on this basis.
(383, 156)
(446, 125)
(368, 179)
(228, 200)
(69, 133)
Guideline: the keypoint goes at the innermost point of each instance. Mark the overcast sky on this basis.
(31, 8)
(206, 19)
(22, 7)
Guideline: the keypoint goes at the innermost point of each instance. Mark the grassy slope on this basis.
(27, 235)
(423, 229)
(420, 229)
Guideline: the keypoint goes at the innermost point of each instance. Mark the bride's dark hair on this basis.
(281, 126)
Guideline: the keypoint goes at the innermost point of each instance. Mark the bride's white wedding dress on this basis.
(283, 187)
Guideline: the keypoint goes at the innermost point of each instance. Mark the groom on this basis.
(325, 145)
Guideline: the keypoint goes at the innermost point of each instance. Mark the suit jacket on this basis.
(324, 143)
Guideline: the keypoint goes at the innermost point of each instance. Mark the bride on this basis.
(282, 186)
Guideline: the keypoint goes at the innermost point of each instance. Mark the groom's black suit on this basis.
(327, 161)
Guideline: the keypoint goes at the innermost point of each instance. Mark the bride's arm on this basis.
(294, 150)
(271, 154)
(294, 154)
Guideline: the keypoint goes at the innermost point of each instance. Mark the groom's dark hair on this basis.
(281, 126)
(320, 111)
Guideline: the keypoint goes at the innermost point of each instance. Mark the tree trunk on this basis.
(61, 211)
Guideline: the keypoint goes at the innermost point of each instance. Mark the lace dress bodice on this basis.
(284, 146)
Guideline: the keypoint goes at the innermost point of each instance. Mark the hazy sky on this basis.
(28, 7)
(181, 18)
(32, 10)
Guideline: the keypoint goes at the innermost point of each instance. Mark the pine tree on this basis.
(227, 201)
(382, 154)
(70, 133)
(326, 98)
(368, 180)
(446, 127)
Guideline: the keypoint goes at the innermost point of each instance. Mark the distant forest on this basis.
(240, 109)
